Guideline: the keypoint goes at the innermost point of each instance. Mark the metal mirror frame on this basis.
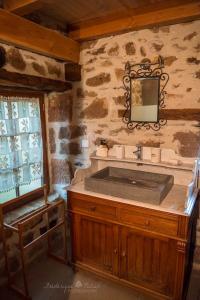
(145, 69)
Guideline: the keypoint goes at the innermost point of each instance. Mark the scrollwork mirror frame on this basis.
(145, 69)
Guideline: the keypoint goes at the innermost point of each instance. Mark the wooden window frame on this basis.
(33, 195)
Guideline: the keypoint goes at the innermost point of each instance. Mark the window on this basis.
(21, 146)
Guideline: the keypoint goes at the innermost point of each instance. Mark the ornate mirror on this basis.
(144, 85)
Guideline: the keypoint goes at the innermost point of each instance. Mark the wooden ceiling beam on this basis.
(171, 15)
(28, 35)
(72, 72)
(186, 114)
(8, 78)
(22, 7)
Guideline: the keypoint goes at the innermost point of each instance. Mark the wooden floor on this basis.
(51, 280)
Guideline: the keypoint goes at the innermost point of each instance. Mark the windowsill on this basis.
(28, 208)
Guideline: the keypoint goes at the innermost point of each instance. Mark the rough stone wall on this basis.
(58, 111)
(65, 149)
(26, 62)
(100, 94)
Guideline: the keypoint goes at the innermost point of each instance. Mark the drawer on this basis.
(149, 222)
(94, 208)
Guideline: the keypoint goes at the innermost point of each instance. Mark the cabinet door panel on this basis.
(148, 261)
(97, 244)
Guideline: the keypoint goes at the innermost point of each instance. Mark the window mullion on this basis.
(12, 145)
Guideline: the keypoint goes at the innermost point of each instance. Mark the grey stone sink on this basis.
(130, 184)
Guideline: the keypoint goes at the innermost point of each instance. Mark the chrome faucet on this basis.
(138, 152)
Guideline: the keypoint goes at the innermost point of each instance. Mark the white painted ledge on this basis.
(144, 162)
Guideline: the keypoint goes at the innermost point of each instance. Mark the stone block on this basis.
(80, 93)
(39, 68)
(130, 48)
(119, 100)
(61, 171)
(72, 148)
(96, 110)
(143, 51)
(64, 133)
(114, 50)
(77, 131)
(157, 46)
(119, 72)
(98, 79)
(60, 108)
(52, 142)
(168, 60)
(53, 69)
(188, 143)
(15, 59)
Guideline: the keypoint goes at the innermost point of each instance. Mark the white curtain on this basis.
(21, 153)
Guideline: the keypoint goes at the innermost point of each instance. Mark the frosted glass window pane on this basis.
(30, 187)
(7, 196)
(21, 147)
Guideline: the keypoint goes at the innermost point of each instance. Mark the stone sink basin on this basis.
(130, 184)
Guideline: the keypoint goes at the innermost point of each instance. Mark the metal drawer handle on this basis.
(93, 208)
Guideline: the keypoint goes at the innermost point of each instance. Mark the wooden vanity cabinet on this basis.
(139, 247)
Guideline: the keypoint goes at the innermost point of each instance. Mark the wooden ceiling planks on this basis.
(91, 19)
(87, 20)
(22, 7)
(170, 15)
(80, 11)
(28, 35)
(71, 11)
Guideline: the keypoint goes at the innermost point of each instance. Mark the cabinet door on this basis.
(95, 243)
(148, 261)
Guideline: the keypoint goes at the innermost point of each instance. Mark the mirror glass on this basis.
(144, 99)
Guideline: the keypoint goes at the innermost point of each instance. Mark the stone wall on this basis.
(100, 94)
(66, 152)
(59, 107)
(26, 62)
(99, 97)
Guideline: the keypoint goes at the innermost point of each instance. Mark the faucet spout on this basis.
(138, 152)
